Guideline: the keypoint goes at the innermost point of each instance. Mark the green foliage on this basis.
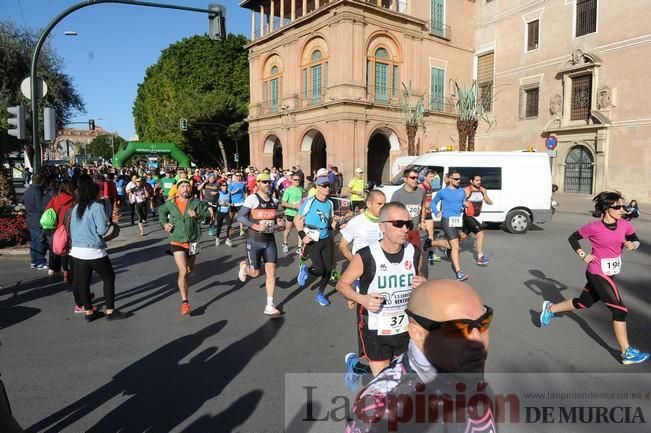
(412, 114)
(101, 145)
(468, 107)
(16, 47)
(204, 81)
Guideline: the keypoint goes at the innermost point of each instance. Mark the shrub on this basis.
(13, 230)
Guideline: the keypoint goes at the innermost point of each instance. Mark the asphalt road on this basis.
(223, 369)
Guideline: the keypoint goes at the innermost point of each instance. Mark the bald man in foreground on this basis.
(448, 331)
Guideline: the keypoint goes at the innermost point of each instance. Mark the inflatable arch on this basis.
(135, 147)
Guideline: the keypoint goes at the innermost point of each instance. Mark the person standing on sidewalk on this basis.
(88, 225)
(61, 203)
(33, 200)
(181, 217)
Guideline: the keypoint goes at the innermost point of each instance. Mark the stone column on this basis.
(317, 4)
(252, 25)
(282, 13)
(304, 8)
(293, 13)
(272, 16)
(261, 21)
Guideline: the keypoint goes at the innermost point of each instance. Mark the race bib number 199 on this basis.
(611, 266)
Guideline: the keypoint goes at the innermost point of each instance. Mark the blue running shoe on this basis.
(321, 299)
(461, 276)
(546, 315)
(351, 378)
(302, 275)
(483, 261)
(211, 231)
(634, 356)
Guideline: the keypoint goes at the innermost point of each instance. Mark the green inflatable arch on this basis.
(134, 147)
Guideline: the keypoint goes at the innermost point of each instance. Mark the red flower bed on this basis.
(13, 231)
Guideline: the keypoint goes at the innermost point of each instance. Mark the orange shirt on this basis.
(181, 204)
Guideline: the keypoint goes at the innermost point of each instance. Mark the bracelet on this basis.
(301, 233)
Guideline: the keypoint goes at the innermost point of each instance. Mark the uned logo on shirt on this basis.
(408, 265)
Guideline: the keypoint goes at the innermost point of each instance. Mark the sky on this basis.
(114, 46)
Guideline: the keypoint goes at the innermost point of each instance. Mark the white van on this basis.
(519, 183)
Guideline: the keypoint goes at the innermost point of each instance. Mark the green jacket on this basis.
(186, 228)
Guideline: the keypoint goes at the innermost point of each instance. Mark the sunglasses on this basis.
(296, 180)
(618, 206)
(401, 223)
(455, 328)
(455, 178)
(325, 185)
(264, 181)
(412, 177)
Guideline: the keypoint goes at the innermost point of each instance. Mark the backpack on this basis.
(49, 219)
(61, 237)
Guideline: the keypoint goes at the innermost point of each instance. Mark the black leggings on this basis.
(220, 217)
(321, 254)
(602, 288)
(81, 280)
(58, 263)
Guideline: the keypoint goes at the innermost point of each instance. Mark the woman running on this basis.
(608, 236)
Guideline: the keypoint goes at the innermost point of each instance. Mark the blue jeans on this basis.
(37, 247)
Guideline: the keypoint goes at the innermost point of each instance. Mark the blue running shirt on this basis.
(318, 215)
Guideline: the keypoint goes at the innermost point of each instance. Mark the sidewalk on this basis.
(582, 204)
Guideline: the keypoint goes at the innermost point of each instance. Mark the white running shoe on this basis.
(217, 242)
(242, 274)
(270, 310)
(228, 242)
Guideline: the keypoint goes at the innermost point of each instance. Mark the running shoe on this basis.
(448, 253)
(270, 310)
(285, 247)
(242, 273)
(229, 243)
(334, 276)
(483, 261)
(43, 267)
(461, 276)
(217, 242)
(633, 356)
(185, 309)
(302, 274)
(211, 231)
(118, 315)
(79, 309)
(33, 265)
(50, 272)
(351, 378)
(434, 258)
(241, 232)
(546, 315)
(321, 299)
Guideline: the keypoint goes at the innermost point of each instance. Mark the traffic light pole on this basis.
(44, 34)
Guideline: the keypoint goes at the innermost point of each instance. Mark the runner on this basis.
(237, 189)
(259, 213)
(476, 195)
(608, 236)
(223, 201)
(138, 197)
(430, 185)
(314, 220)
(291, 202)
(166, 184)
(452, 198)
(387, 274)
(210, 190)
(181, 217)
(356, 188)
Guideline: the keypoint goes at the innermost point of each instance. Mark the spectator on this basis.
(632, 211)
(33, 200)
(62, 202)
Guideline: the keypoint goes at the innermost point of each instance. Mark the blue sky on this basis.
(115, 44)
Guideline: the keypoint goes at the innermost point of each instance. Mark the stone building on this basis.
(573, 69)
(326, 79)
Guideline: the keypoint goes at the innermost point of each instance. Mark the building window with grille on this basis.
(271, 88)
(580, 104)
(437, 89)
(533, 35)
(529, 97)
(315, 77)
(437, 23)
(485, 80)
(381, 68)
(586, 17)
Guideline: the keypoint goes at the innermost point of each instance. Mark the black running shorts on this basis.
(379, 348)
(256, 250)
(471, 225)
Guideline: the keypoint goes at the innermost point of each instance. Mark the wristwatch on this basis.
(581, 254)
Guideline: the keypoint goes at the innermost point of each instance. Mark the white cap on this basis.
(322, 172)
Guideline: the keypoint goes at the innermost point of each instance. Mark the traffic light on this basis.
(91, 124)
(217, 22)
(183, 124)
(17, 119)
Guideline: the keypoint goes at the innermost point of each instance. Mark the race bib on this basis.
(268, 226)
(413, 209)
(392, 324)
(313, 234)
(194, 249)
(456, 221)
(611, 266)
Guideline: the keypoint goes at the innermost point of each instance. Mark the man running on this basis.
(259, 213)
(387, 274)
(237, 189)
(291, 202)
(609, 236)
(430, 186)
(476, 195)
(314, 221)
(210, 189)
(181, 217)
(356, 188)
(452, 198)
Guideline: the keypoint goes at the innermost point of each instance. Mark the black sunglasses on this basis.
(412, 177)
(458, 327)
(296, 180)
(618, 206)
(401, 223)
(455, 178)
(264, 181)
(325, 185)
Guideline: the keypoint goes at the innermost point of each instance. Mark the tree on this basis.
(413, 117)
(16, 47)
(101, 145)
(470, 111)
(206, 82)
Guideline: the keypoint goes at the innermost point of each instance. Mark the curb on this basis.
(13, 251)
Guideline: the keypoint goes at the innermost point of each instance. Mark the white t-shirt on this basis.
(361, 232)
(83, 253)
(131, 185)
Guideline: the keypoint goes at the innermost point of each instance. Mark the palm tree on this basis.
(470, 111)
(413, 117)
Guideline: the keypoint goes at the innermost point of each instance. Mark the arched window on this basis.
(315, 78)
(272, 82)
(385, 74)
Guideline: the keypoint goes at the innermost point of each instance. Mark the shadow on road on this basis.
(162, 390)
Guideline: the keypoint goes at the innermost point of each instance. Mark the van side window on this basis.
(491, 177)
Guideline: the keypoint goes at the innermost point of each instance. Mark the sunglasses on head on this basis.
(401, 223)
(618, 206)
(458, 327)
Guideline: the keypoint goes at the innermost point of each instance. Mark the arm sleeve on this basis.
(435, 200)
(243, 216)
(632, 237)
(574, 240)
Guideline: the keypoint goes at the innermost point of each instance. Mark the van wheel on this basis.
(517, 222)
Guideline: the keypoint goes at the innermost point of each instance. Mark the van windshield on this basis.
(422, 171)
